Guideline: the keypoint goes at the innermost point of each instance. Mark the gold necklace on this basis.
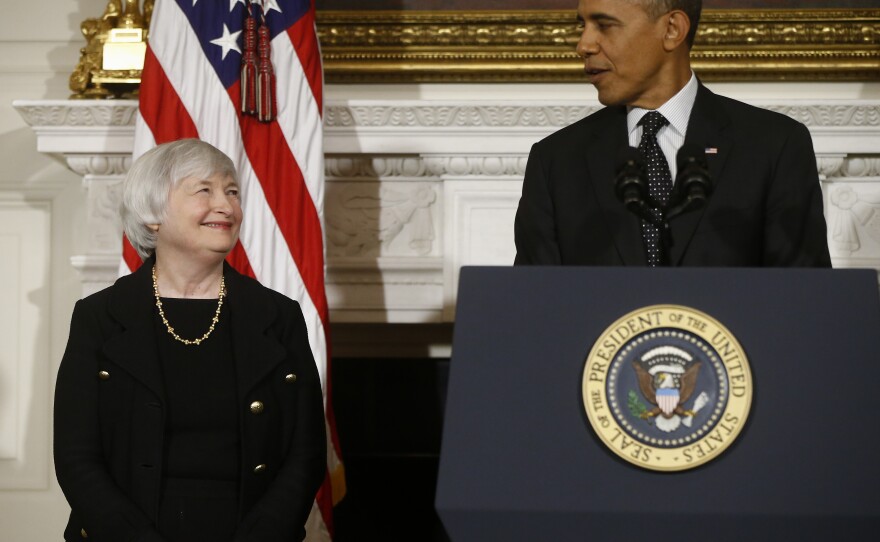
(213, 320)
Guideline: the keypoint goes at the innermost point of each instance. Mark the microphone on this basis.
(693, 184)
(631, 183)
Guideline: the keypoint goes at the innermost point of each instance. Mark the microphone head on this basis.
(631, 182)
(631, 179)
(693, 183)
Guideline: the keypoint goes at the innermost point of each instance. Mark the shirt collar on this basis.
(677, 109)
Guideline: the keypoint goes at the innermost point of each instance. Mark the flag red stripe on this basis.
(329, 412)
(238, 259)
(305, 43)
(324, 498)
(164, 113)
(129, 255)
(288, 197)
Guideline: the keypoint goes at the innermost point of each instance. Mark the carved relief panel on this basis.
(380, 207)
(852, 212)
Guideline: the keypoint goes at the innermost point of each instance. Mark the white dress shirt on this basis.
(677, 111)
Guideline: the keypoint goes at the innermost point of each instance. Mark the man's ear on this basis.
(677, 27)
(154, 227)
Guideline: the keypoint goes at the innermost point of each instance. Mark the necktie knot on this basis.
(652, 122)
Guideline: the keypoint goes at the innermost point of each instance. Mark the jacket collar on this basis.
(134, 349)
(601, 158)
(706, 129)
(132, 304)
(257, 351)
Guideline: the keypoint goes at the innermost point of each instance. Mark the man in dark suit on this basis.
(766, 209)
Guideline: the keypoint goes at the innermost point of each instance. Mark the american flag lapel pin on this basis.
(711, 150)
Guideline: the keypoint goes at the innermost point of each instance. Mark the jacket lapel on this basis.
(601, 156)
(706, 129)
(134, 349)
(253, 313)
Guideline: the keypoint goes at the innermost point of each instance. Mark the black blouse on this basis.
(202, 435)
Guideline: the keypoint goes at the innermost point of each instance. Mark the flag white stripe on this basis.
(299, 118)
(144, 139)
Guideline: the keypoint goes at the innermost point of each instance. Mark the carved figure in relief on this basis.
(361, 222)
(850, 210)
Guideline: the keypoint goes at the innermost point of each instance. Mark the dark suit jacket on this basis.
(766, 209)
(109, 431)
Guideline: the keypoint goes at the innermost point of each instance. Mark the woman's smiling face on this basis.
(202, 216)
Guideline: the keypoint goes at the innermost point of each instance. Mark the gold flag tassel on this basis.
(249, 64)
(266, 76)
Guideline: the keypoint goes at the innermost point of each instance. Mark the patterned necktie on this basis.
(659, 180)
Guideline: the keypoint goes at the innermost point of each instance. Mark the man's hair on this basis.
(691, 8)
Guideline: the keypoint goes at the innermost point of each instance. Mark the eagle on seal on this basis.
(667, 378)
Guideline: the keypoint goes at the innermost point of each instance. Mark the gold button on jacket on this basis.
(259, 468)
(290, 378)
(103, 375)
(257, 407)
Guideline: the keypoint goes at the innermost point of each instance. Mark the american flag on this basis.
(191, 87)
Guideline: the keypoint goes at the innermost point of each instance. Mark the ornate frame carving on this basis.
(538, 46)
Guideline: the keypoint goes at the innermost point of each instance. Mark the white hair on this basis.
(147, 186)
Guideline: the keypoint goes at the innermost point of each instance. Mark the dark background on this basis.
(389, 415)
(511, 5)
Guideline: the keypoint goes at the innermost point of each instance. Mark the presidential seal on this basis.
(667, 388)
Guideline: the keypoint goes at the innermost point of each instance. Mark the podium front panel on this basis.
(520, 461)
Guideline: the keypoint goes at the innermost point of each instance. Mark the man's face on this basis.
(622, 48)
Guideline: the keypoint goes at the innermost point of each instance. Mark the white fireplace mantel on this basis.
(417, 189)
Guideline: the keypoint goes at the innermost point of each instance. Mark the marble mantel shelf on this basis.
(416, 189)
(371, 127)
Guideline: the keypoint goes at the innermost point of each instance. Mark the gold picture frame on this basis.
(538, 46)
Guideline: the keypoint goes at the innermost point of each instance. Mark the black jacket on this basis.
(110, 413)
(766, 210)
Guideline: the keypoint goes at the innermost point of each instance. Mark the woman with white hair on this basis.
(188, 405)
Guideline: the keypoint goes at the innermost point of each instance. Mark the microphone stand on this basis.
(693, 186)
(690, 201)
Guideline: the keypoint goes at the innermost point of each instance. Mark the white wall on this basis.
(41, 221)
(42, 224)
